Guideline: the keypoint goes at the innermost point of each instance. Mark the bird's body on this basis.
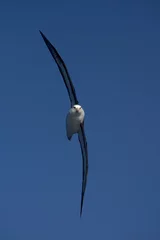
(74, 118)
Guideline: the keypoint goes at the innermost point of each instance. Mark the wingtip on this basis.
(80, 213)
(44, 38)
(81, 208)
(41, 33)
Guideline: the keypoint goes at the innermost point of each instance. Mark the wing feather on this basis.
(84, 151)
(63, 70)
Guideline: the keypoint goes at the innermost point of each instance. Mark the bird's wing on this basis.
(63, 70)
(84, 150)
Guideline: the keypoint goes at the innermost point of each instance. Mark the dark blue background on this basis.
(112, 51)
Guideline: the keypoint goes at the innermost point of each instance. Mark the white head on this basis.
(78, 111)
(77, 108)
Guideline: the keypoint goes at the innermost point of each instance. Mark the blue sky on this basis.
(112, 50)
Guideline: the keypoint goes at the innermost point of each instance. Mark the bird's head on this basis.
(77, 108)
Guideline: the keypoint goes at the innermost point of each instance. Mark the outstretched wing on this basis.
(84, 150)
(63, 70)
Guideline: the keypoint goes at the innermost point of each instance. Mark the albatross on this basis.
(75, 116)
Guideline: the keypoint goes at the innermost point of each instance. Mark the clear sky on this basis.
(112, 51)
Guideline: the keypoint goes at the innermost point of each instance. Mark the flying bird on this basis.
(75, 116)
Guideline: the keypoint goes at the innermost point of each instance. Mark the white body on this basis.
(73, 120)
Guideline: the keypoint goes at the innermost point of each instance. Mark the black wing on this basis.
(63, 70)
(84, 150)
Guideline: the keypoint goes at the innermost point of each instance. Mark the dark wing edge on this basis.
(84, 151)
(63, 70)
